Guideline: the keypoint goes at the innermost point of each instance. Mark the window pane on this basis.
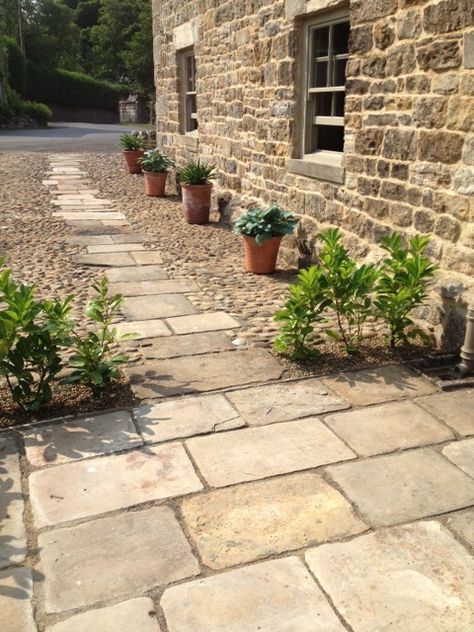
(339, 98)
(191, 123)
(320, 42)
(324, 104)
(320, 74)
(340, 72)
(190, 73)
(341, 38)
(329, 137)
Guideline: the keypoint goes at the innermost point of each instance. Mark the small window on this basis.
(187, 63)
(327, 55)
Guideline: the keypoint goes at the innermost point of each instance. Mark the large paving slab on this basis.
(461, 453)
(402, 487)
(130, 238)
(255, 453)
(275, 596)
(284, 401)
(389, 427)
(16, 613)
(136, 273)
(190, 344)
(374, 386)
(142, 329)
(209, 321)
(248, 522)
(97, 249)
(89, 240)
(147, 258)
(143, 288)
(162, 306)
(462, 524)
(12, 529)
(113, 259)
(186, 417)
(92, 487)
(455, 408)
(111, 558)
(138, 615)
(414, 578)
(79, 438)
(191, 374)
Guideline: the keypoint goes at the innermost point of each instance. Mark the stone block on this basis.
(249, 522)
(209, 321)
(275, 596)
(72, 440)
(160, 306)
(439, 56)
(448, 15)
(399, 144)
(147, 258)
(92, 487)
(126, 554)
(136, 273)
(461, 114)
(454, 408)
(461, 524)
(368, 141)
(461, 453)
(469, 50)
(370, 10)
(413, 578)
(284, 401)
(115, 259)
(154, 328)
(186, 417)
(265, 451)
(188, 345)
(16, 588)
(105, 248)
(13, 547)
(144, 288)
(403, 487)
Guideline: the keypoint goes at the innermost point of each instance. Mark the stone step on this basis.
(144, 288)
(209, 321)
(188, 345)
(136, 273)
(157, 306)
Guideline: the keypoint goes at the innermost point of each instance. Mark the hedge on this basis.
(16, 65)
(72, 89)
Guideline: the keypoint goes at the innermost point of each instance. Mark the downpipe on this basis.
(466, 366)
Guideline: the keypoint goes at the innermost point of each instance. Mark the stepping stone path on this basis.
(230, 499)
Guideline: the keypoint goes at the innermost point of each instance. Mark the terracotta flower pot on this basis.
(261, 259)
(131, 160)
(155, 183)
(196, 202)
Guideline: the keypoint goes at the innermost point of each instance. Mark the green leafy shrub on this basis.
(131, 142)
(265, 224)
(155, 162)
(402, 285)
(32, 335)
(16, 65)
(93, 362)
(197, 172)
(348, 289)
(38, 112)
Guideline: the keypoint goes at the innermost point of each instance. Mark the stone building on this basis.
(358, 114)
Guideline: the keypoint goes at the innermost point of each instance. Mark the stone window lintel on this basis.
(187, 34)
(297, 8)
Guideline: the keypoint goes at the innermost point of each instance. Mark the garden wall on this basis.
(408, 160)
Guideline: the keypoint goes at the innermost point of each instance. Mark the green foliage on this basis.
(138, 53)
(348, 289)
(155, 162)
(32, 335)
(304, 308)
(265, 224)
(72, 89)
(131, 142)
(93, 362)
(197, 172)
(16, 108)
(402, 285)
(15, 64)
(38, 112)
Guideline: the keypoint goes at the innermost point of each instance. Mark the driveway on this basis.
(63, 137)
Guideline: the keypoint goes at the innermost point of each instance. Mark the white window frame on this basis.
(189, 115)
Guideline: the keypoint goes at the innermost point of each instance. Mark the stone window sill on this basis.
(321, 166)
(191, 139)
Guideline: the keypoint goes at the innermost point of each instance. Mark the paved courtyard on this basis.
(229, 499)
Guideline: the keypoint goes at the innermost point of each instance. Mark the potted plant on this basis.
(196, 188)
(133, 149)
(262, 231)
(155, 167)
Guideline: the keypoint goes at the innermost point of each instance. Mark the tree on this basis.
(138, 55)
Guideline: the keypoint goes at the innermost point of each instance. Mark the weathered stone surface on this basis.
(439, 56)
(147, 258)
(95, 249)
(162, 306)
(374, 386)
(461, 453)
(454, 408)
(92, 487)
(186, 417)
(448, 15)
(76, 439)
(209, 321)
(153, 328)
(138, 614)
(136, 273)
(113, 557)
(275, 596)
(462, 524)
(113, 259)
(130, 238)
(248, 522)
(12, 529)
(411, 578)
(15, 605)
(191, 374)
(369, 10)
(461, 114)
(394, 426)
(400, 145)
(190, 344)
(143, 288)
(402, 487)
(469, 50)
(256, 453)
(443, 147)
(284, 401)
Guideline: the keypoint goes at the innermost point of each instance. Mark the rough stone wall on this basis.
(409, 124)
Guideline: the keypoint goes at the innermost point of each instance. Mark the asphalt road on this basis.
(63, 137)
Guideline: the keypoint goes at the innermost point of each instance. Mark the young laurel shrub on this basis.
(265, 224)
(93, 361)
(32, 335)
(402, 286)
(130, 142)
(154, 161)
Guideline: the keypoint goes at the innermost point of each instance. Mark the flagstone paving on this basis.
(231, 499)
